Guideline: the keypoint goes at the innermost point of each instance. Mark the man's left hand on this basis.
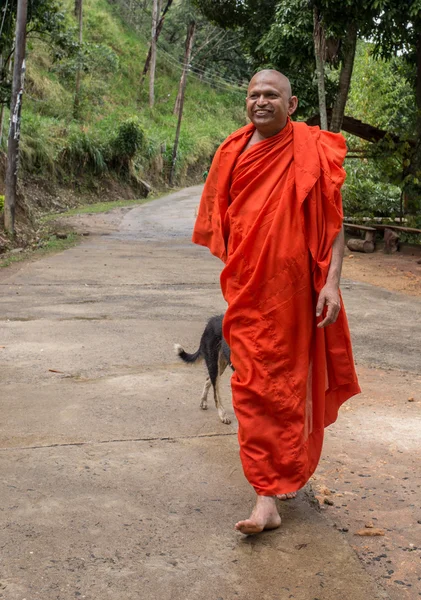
(329, 297)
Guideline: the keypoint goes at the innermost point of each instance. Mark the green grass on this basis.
(110, 97)
(98, 207)
(50, 245)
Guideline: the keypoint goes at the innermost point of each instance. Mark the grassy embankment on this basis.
(82, 153)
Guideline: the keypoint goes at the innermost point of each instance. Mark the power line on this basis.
(214, 78)
(202, 75)
(204, 79)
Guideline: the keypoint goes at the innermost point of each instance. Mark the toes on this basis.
(204, 406)
(226, 420)
(248, 527)
(287, 496)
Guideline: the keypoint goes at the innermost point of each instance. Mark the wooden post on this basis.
(76, 104)
(319, 53)
(187, 55)
(15, 114)
(189, 44)
(153, 54)
(358, 245)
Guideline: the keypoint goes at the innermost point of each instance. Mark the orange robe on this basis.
(271, 214)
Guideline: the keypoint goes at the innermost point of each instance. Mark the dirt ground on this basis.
(399, 272)
(115, 483)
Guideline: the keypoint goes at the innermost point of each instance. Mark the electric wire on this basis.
(223, 80)
(202, 75)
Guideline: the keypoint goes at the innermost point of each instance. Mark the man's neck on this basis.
(259, 136)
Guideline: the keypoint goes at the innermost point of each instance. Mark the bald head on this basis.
(269, 102)
(272, 75)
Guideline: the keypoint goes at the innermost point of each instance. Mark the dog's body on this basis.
(214, 350)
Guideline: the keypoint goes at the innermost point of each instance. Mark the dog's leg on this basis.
(204, 397)
(222, 365)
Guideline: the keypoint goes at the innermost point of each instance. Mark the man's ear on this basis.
(292, 105)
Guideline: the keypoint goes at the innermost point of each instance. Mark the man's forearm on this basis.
(335, 269)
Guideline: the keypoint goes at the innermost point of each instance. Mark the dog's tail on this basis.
(188, 358)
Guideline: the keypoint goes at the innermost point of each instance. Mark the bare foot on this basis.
(264, 516)
(287, 496)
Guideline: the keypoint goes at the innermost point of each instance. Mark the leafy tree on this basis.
(399, 33)
(217, 53)
(279, 34)
(45, 18)
(382, 96)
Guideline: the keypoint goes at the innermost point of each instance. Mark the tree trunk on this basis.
(319, 53)
(350, 46)
(189, 45)
(187, 54)
(76, 104)
(153, 53)
(158, 32)
(15, 112)
(418, 83)
(2, 105)
(412, 185)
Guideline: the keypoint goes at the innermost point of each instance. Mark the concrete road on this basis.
(114, 483)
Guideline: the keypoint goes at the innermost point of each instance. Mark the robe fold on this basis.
(271, 213)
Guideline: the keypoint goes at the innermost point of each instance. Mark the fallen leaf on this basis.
(411, 399)
(369, 525)
(55, 371)
(370, 532)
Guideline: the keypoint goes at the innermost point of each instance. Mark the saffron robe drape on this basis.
(271, 214)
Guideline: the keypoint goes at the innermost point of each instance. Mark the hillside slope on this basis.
(117, 138)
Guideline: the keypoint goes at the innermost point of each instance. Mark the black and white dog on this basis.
(214, 350)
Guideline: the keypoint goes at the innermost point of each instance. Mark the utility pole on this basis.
(189, 45)
(15, 114)
(187, 54)
(79, 15)
(155, 11)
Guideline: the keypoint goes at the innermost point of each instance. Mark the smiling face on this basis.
(269, 102)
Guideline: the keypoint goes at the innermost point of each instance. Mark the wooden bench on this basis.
(358, 245)
(391, 235)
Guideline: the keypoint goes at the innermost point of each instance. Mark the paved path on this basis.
(114, 484)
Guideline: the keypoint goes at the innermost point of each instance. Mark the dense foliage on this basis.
(45, 20)
(114, 131)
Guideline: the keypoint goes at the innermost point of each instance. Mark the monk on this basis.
(271, 210)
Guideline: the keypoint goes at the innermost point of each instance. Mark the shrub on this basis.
(84, 153)
(366, 194)
(129, 141)
(1, 203)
